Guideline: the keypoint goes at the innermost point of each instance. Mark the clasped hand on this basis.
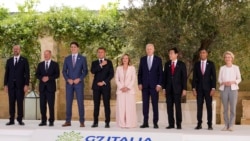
(75, 81)
(124, 89)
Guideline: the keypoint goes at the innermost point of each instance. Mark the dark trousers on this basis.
(174, 99)
(146, 94)
(201, 95)
(105, 93)
(16, 95)
(47, 97)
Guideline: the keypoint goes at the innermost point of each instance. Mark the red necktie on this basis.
(172, 68)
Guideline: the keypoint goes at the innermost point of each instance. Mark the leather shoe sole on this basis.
(10, 123)
(144, 126)
(82, 125)
(42, 124)
(51, 124)
(210, 128)
(66, 124)
(170, 127)
(21, 123)
(94, 125)
(198, 127)
(156, 126)
(107, 126)
(179, 127)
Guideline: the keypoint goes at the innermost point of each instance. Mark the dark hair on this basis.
(174, 49)
(201, 49)
(101, 48)
(74, 43)
(129, 60)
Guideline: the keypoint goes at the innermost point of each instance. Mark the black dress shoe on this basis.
(210, 128)
(10, 123)
(94, 125)
(107, 125)
(169, 127)
(198, 127)
(156, 126)
(144, 126)
(51, 124)
(179, 127)
(21, 122)
(43, 124)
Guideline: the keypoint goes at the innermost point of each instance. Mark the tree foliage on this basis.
(91, 29)
(3, 13)
(189, 25)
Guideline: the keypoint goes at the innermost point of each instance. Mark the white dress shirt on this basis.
(48, 62)
(18, 57)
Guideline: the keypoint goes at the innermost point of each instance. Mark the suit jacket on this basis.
(104, 73)
(150, 78)
(127, 79)
(53, 73)
(206, 81)
(18, 75)
(79, 71)
(177, 81)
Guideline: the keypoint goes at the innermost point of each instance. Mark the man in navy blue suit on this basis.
(149, 82)
(47, 72)
(16, 83)
(74, 71)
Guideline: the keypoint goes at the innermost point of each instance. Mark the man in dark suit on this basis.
(204, 84)
(149, 82)
(16, 83)
(175, 86)
(103, 73)
(47, 72)
(74, 71)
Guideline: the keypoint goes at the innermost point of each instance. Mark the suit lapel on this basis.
(12, 62)
(153, 62)
(169, 67)
(207, 65)
(199, 67)
(176, 67)
(127, 74)
(43, 66)
(51, 63)
(146, 62)
(71, 61)
(78, 58)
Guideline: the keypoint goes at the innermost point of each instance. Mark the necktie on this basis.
(100, 61)
(15, 61)
(202, 67)
(149, 62)
(46, 66)
(74, 61)
(172, 68)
